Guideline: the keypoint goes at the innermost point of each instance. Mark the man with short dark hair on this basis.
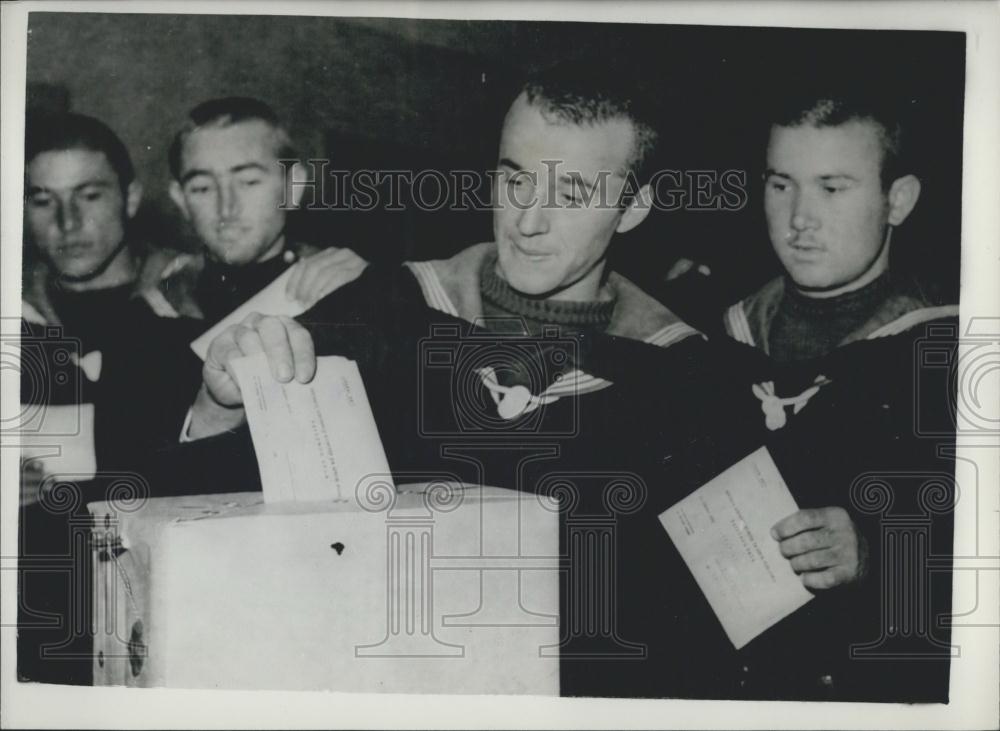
(835, 339)
(837, 185)
(92, 343)
(87, 280)
(81, 195)
(547, 264)
(228, 183)
(525, 318)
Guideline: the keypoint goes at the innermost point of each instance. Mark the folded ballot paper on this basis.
(315, 441)
(271, 300)
(722, 531)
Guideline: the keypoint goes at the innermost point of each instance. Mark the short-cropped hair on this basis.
(832, 107)
(577, 93)
(58, 131)
(222, 113)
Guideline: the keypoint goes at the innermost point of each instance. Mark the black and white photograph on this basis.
(548, 362)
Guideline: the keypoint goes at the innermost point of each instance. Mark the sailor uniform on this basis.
(439, 377)
(841, 415)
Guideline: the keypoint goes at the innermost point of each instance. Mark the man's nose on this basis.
(229, 204)
(534, 219)
(68, 216)
(803, 212)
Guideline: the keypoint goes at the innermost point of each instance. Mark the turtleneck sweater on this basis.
(810, 327)
(502, 304)
(97, 317)
(508, 311)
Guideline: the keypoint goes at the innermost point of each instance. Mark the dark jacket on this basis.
(651, 425)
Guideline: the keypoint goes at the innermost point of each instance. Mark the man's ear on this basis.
(636, 211)
(133, 197)
(903, 195)
(177, 196)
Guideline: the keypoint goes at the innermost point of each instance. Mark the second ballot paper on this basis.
(314, 441)
(722, 531)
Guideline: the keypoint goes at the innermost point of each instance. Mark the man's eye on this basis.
(777, 185)
(39, 201)
(570, 198)
(834, 188)
(199, 189)
(249, 182)
(92, 195)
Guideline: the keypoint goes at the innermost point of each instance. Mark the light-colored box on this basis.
(423, 590)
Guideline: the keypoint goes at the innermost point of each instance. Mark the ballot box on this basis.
(427, 588)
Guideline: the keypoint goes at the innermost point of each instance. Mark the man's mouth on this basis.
(805, 247)
(74, 248)
(532, 254)
(231, 233)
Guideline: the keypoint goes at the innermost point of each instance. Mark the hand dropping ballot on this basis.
(314, 441)
(722, 531)
(271, 300)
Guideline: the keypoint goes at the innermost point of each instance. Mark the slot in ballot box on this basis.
(433, 588)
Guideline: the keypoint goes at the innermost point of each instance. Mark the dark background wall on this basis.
(402, 93)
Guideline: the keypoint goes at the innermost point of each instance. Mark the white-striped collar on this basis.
(438, 299)
(574, 382)
(738, 325)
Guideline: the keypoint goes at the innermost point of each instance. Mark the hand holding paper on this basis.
(314, 441)
(287, 345)
(723, 532)
(296, 290)
(289, 350)
(272, 300)
(823, 545)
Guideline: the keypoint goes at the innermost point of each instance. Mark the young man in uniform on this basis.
(89, 282)
(835, 340)
(229, 185)
(93, 347)
(538, 323)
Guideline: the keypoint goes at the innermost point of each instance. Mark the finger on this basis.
(314, 273)
(274, 342)
(222, 349)
(303, 350)
(295, 279)
(337, 279)
(252, 319)
(835, 516)
(331, 283)
(823, 580)
(796, 523)
(810, 540)
(217, 373)
(815, 561)
(326, 272)
(247, 342)
(339, 255)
